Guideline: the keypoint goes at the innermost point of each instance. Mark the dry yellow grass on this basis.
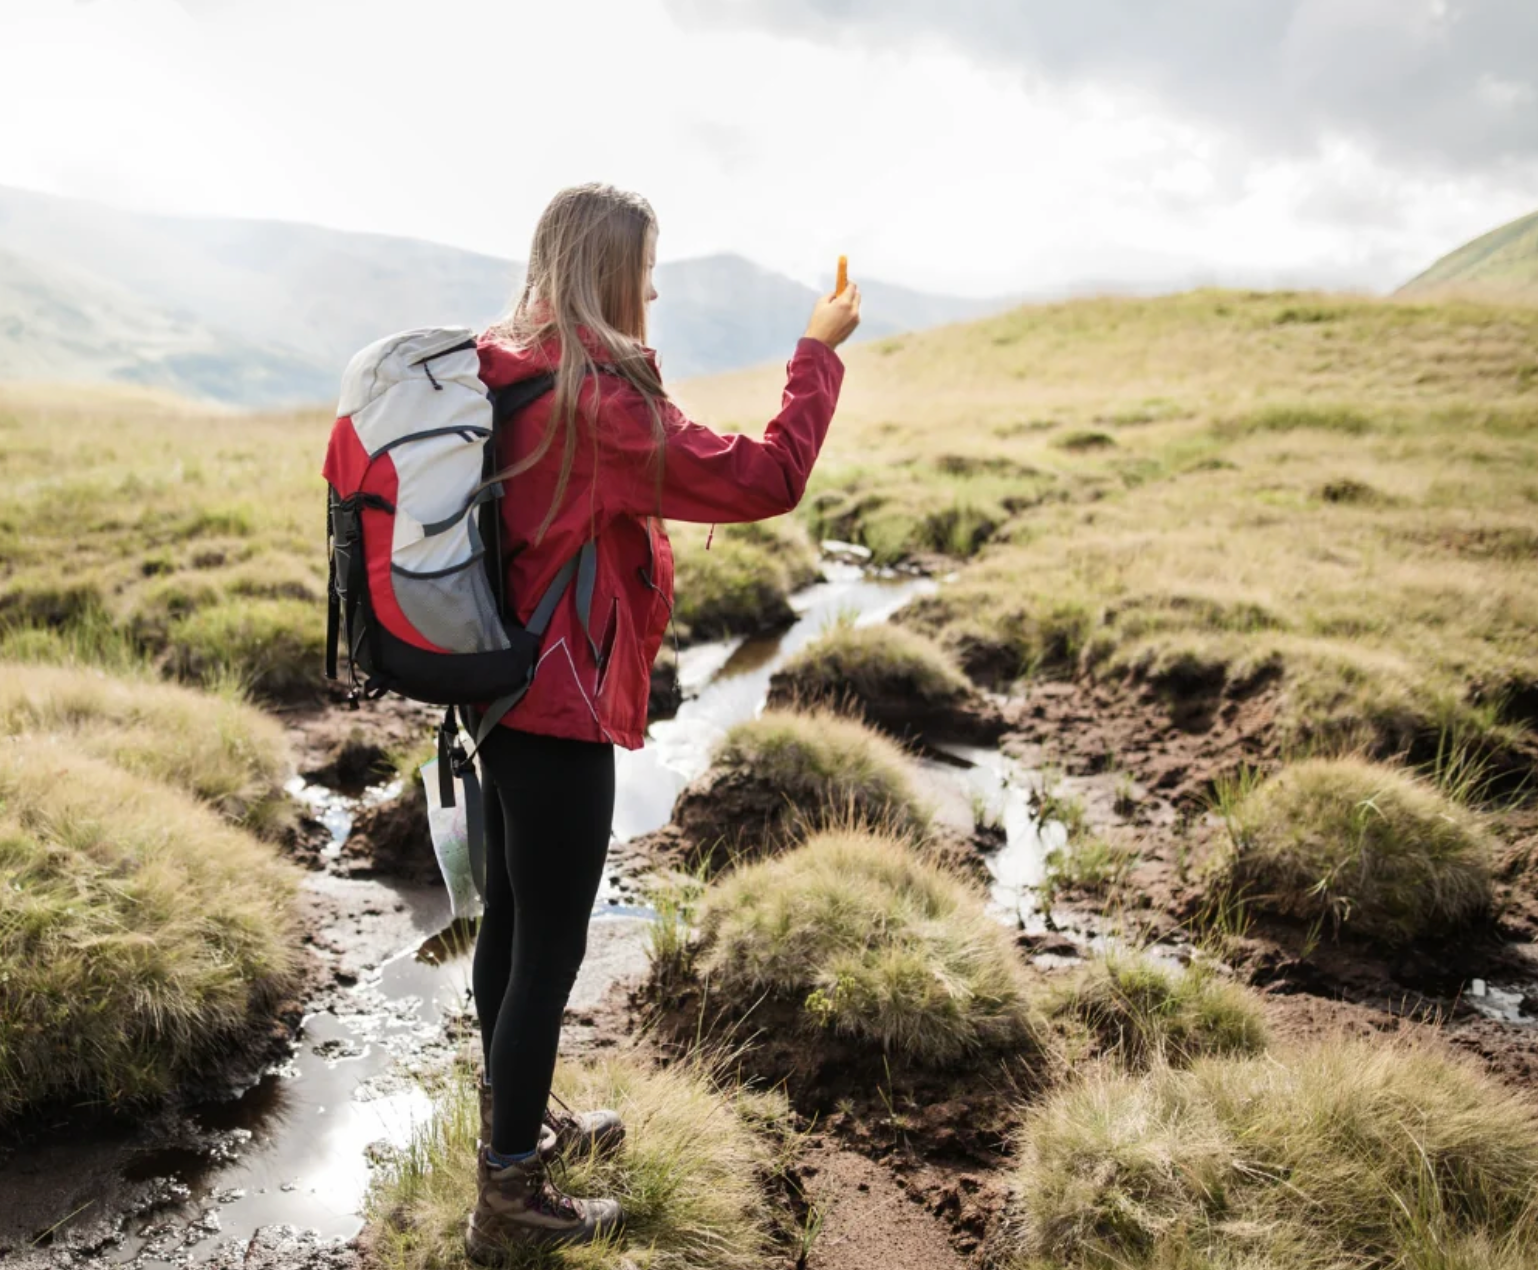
(693, 1177)
(1374, 1155)
(1216, 489)
(139, 525)
(215, 747)
(142, 938)
(1346, 843)
(873, 943)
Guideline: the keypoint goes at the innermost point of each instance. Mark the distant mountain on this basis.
(1500, 265)
(267, 313)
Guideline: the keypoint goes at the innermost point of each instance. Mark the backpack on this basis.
(417, 584)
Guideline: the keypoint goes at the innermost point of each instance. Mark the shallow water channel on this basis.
(294, 1148)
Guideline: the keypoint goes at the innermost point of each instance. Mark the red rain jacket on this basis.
(612, 497)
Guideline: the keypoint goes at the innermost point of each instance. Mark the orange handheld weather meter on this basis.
(843, 275)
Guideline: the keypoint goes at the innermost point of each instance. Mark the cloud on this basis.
(1445, 84)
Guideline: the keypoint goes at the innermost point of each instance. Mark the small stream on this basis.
(294, 1148)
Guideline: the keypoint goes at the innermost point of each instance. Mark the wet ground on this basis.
(276, 1175)
(278, 1171)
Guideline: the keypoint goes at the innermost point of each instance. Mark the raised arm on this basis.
(709, 477)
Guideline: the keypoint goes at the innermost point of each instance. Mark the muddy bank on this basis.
(1146, 776)
(896, 706)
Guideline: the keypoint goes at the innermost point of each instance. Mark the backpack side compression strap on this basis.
(584, 568)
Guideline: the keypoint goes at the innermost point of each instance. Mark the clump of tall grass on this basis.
(1143, 1012)
(871, 663)
(274, 647)
(1378, 1156)
(788, 771)
(142, 938)
(743, 582)
(691, 1178)
(870, 942)
(1356, 845)
(214, 746)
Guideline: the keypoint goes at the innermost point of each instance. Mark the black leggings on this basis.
(549, 814)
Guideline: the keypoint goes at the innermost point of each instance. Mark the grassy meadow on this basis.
(1333, 494)
(1332, 501)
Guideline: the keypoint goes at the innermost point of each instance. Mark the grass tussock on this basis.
(1089, 863)
(822, 767)
(215, 747)
(1377, 1156)
(743, 581)
(1358, 476)
(691, 1177)
(1359, 846)
(1145, 1013)
(142, 937)
(873, 943)
(874, 663)
(808, 769)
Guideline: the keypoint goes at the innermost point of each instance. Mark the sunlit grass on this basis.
(1380, 1156)
(693, 1176)
(214, 746)
(142, 939)
(1343, 843)
(870, 942)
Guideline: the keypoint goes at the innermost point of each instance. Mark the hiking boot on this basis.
(566, 1131)
(520, 1205)
(581, 1132)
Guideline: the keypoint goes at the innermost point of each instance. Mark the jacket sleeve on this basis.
(723, 479)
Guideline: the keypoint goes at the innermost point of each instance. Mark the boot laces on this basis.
(564, 1119)
(552, 1202)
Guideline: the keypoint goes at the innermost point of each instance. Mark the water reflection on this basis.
(730, 682)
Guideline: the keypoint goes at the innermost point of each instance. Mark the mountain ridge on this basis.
(266, 313)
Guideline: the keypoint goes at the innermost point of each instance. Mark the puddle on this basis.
(296, 1143)
(294, 1147)
(998, 791)
(338, 811)
(728, 682)
(1512, 1003)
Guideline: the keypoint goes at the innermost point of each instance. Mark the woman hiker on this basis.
(605, 458)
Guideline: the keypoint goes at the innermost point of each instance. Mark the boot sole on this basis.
(494, 1252)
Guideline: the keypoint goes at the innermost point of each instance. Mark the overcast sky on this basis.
(968, 146)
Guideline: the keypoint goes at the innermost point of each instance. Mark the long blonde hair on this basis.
(587, 270)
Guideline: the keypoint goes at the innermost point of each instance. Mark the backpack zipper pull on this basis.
(710, 537)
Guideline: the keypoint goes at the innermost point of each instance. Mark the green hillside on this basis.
(1500, 265)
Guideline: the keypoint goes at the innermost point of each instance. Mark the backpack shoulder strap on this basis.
(506, 402)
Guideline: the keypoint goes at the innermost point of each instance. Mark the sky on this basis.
(974, 147)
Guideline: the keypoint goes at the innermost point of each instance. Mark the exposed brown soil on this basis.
(666, 693)
(871, 1216)
(721, 836)
(392, 840)
(345, 748)
(1097, 731)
